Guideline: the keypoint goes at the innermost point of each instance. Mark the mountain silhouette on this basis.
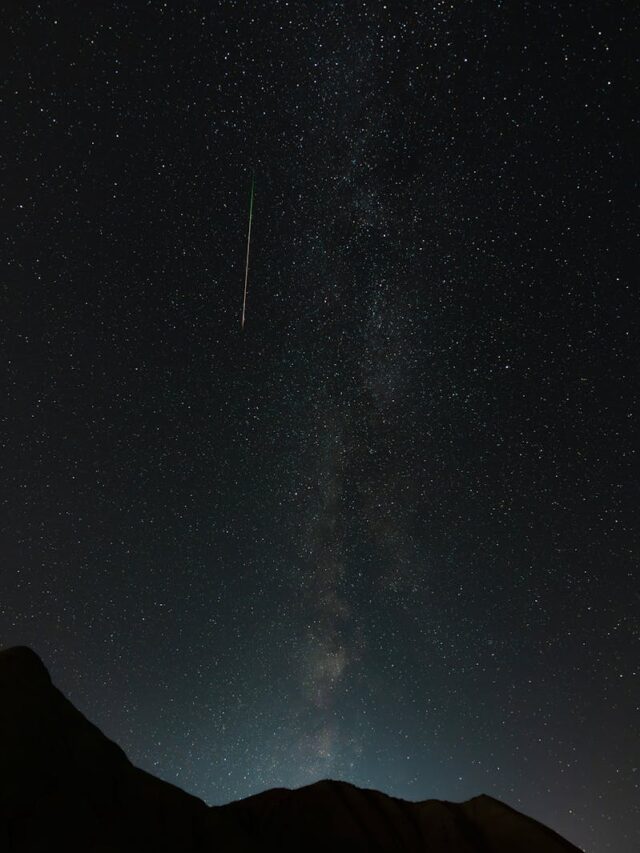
(64, 786)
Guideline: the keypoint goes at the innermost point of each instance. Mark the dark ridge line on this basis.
(339, 793)
(470, 830)
(531, 820)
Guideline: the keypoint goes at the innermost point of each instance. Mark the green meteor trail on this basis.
(246, 269)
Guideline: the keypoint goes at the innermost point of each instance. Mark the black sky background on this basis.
(388, 532)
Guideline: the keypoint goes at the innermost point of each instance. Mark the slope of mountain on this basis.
(65, 786)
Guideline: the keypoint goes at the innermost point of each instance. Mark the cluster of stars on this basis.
(388, 533)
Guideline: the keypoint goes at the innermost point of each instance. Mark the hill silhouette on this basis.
(65, 786)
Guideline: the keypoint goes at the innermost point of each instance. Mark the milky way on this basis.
(388, 531)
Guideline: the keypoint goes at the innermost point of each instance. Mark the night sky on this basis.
(387, 533)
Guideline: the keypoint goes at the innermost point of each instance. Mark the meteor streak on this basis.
(246, 269)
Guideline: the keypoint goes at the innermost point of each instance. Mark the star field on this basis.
(388, 533)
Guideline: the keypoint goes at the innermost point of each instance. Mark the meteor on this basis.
(246, 268)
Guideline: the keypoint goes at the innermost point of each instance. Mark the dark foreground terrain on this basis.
(64, 786)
